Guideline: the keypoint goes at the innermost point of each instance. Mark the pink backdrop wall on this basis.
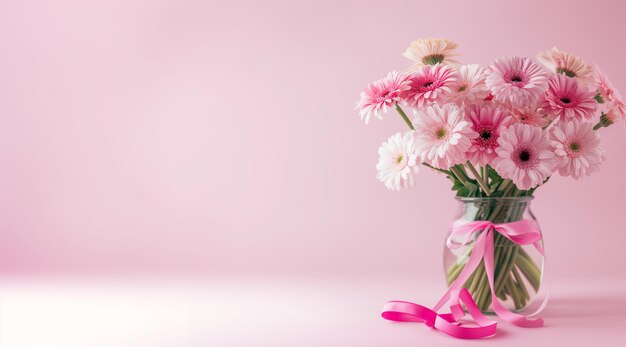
(196, 137)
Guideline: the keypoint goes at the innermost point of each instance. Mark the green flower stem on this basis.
(452, 268)
(530, 271)
(480, 180)
(521, 295)
(505, 184)
(514, 293)
(502, 294)
(482, 290)
(507, 264)
(455, 273)
(518, 279)
(478, 273)
(436, 168)
(604, 122)
(462, 169)
(496, 255)
(484, 299)
(459, 175)
(469, 280)
(403, 115)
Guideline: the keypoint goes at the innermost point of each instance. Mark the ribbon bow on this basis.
(523, 232)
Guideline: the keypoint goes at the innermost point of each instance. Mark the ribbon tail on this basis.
(470, 266)
(500, 310)
(403, 311)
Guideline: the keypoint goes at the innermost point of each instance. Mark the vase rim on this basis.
(494, 198)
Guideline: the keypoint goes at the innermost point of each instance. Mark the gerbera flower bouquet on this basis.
(498, 133)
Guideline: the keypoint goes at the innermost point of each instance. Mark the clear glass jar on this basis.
(518, 269)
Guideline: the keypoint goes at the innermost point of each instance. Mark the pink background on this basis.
(220, 138)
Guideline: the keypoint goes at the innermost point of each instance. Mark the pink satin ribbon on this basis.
(522, 232)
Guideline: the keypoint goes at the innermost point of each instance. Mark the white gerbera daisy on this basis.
(397, 161)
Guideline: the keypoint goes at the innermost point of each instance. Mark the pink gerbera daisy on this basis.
(469, 85)
(565, 63)
(531, 115)
(382, 94)
(432, 51)
(568, 99)
(516, 80)
(618, 108)
(524, 156)
(605, 89)
(442, 137)
(607, 94)
(577, 148)
(488, 120)
(428, 85)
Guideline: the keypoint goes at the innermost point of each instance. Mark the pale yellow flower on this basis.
(432, 51)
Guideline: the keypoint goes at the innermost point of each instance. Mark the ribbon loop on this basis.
(523, 232)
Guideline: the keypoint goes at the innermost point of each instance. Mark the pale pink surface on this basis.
(267, 311)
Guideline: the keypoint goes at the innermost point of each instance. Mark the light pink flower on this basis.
(516, 80)
(565, 63)
(379, 95)
(531, 115)
(567, 98)
(577, 148)
(608, 95)
(616, 109)
(397, 162)
(605, 89)
(432, 51)
(428, 85)
(469, 86)
(524, 156)
(442, 137)
(488, 120)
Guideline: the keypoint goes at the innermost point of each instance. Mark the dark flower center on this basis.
(441, 133)
(524, 156)
(485, 134)
(427, 84)
(574, 146)
(516, 79)
(566, 100)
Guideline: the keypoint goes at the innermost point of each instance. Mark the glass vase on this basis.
(518, 269)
